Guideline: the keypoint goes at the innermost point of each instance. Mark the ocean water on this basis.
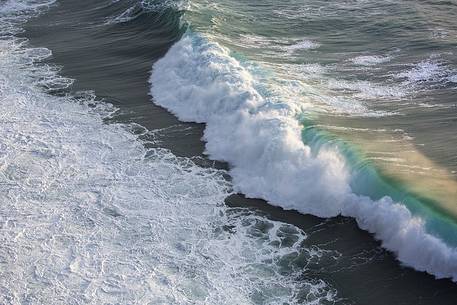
(319, 108)
(89, 215)
(329, 120)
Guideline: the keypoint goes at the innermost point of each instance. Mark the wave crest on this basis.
(261, 139)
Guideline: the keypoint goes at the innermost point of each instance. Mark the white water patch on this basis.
(198, 81)
(370, 60)
(138, 7)
(161, 5)
(261, 42)
(129, 14)
(310, 70)
(14, 11)
(347, 106)
(367, 90)
(430, 74)
(303, 85)
(425, 72)
(13, 8)
(277, 45)
(452, 78)
(425, 75)
(90, 216)
(302, 45)
(439, 33)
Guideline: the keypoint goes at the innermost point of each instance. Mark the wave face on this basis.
(262, 140)
(91, 216)
(268, 117)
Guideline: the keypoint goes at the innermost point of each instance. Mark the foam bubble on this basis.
(261, 138)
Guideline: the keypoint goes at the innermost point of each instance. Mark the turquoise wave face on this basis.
(368, 181)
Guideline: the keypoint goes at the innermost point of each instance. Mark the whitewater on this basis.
(106, 198)
(261, 134)
(89, 215)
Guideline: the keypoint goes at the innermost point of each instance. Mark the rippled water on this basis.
(95, 210)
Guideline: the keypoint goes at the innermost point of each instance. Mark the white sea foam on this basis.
(137, 8)
(160, 5)
(453, 78)
(368, 90)
(277, 44)
(302, 45)
(302, 86)
(129, 14)
(370, 60)
(90, 216)
(261, 42)
(311, 69)
(430, 70)
(198, 81)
